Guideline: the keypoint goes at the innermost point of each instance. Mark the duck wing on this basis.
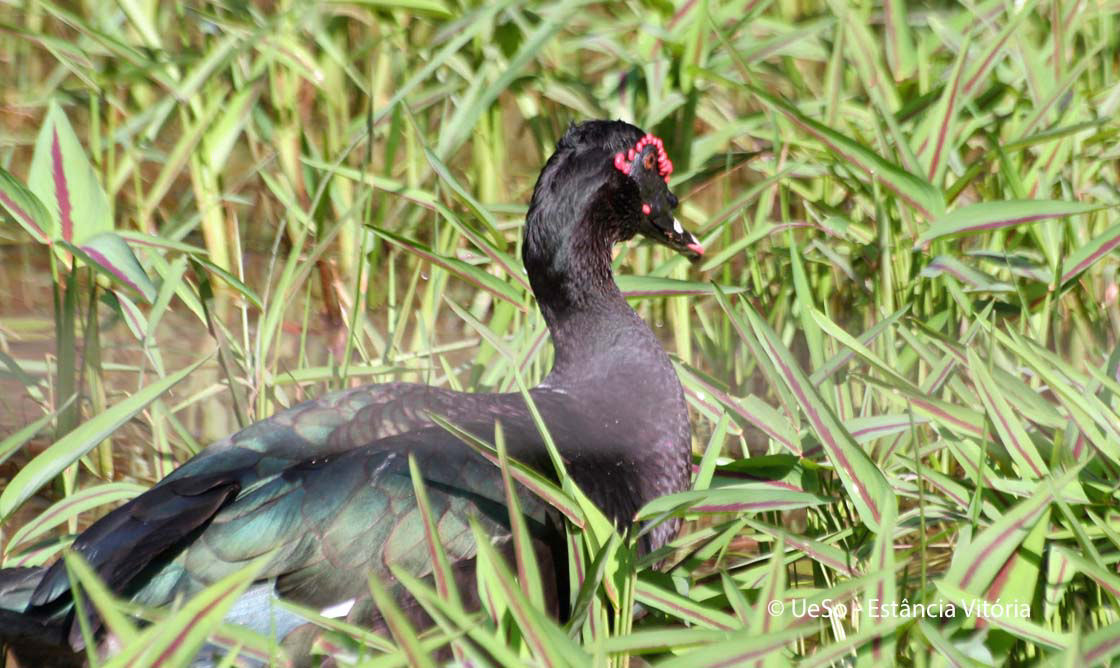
(328, 511)
(168, 517)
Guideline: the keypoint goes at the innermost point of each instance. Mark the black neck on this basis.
(608, 360)
(578, 275)
(569, 267)
(586, 320)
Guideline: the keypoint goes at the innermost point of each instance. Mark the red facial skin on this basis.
(623, 161)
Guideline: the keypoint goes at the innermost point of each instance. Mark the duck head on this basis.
(649, 167)
(607, 182)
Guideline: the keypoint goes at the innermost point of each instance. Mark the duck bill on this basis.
(672, 234)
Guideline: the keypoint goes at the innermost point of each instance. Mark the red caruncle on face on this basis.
(623, 161)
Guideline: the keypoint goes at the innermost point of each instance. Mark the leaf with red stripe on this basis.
(746, 498)
(1010, 429)
(72, 506)
(109, 254)
(918, 193)
(1021, 575)
(987, 216)
(824, 554)
(25, 208)
(745, 649)
(1017, 624)
(64, 181)
(176, 640)
(1098, 647)
(1095, 568)
(976, 564)
(643, 287)
(442, 575)
(85, 580)
(1087, 255)
(865, 483)
(683, 608)
(944, 121)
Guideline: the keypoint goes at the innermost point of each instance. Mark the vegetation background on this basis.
(900, 348)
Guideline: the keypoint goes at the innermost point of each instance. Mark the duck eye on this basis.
(623, 161)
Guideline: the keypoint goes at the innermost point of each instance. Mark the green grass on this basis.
(907, 312)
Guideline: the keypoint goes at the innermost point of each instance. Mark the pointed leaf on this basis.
(467, 621)
(831, 365)
(441, 566)
(822, 553)
(455, 130)
(971, 277)
(986, 216)
(528, 477)
(744, 649)
(481, 212)
(550, 645)
(750, 408)
(364, 636)
(528, 572)
(772, 587)
(868, 429)
(463, 270)
(914, 190)
(836, 652)
(948, 648)
(223, 133)
(664, 639)
(106, 604)
(1098, 573)
(26, 209)
(899, 43)
(231, 280)
(848, 341)
(865, 483)
(78, 442)
(65, 182)
(683, 608)
(1018, 625)
(1101, 646)
(1085, 256)
(884, 589)
(398, 624)
(1011, 431)
(739, 499)
(109, 254)
(977, 563)
(640, 287)
(592, 578)
(16, 440)
(72, 506)
(176, 640)
(944, 119)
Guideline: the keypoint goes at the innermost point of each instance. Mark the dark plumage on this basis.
(326, 483)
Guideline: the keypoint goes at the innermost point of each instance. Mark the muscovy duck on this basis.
(325, 485)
